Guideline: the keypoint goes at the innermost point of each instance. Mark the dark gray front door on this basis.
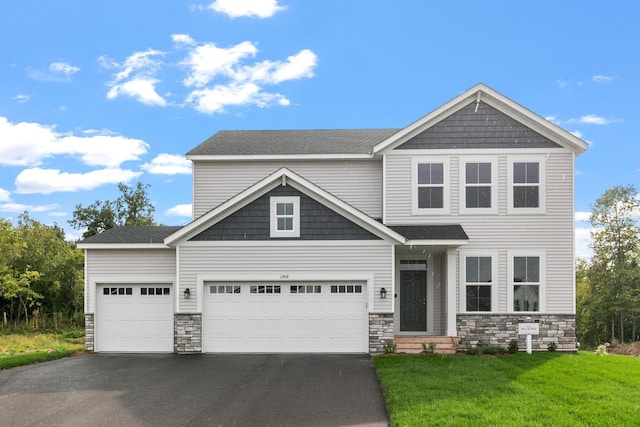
(413, 301)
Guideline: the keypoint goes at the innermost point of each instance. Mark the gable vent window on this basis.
(285, 217)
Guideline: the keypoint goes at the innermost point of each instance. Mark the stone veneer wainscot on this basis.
(500, 329)
(187, 333)
(89, 332)
(380, 331)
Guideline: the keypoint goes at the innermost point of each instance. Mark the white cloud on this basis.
(4, 195)
(57, 72)
(58, 214)
(583, 239)
(21, 98)
(141, 89)
(215, 77)
(19, 207)
(135, 77)
(180, 210)
(215, 99)
(582, 216)
(603, 79)
(47, 181)
(182, 39)
(592, 119)
(247, 8)
(63, 68)
(208, 61)
(28, 144)
(168, 164)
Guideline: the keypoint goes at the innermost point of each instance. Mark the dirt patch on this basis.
(632, 349)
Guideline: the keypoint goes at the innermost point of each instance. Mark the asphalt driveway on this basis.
(197, 390)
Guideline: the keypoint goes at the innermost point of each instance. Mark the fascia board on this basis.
(440, 242)
(243, 157)
(123, 246)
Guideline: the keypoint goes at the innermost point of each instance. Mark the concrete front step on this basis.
(417, 344)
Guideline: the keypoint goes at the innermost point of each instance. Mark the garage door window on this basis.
(265, 289)
(117, 291)
(346, 289)
(306, 289)
(155, 291)
(224, 289)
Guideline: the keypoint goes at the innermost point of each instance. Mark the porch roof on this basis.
(439, 232)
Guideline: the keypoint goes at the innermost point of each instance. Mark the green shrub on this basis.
(389, 347)
(602, 349)
(552, 347)
(513, 347)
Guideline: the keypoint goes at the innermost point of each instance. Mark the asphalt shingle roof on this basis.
(133, 234)
(431, 232)
(279, 142)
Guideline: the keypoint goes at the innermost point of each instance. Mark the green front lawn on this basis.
(542, 389)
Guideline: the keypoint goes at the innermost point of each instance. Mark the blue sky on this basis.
(95, 93)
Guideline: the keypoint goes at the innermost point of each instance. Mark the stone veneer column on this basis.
(500, 329)
(89, 332)
(187, 333)
(380, 331)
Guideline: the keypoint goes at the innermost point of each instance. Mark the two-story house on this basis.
(449, 231)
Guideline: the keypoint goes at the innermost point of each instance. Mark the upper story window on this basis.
(430, 188)
(479, 186)
(526, 192)
(285, 216)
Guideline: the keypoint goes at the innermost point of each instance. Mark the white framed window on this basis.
(526, 292)
(478, 186)
(430, 186)
(478, 281)
(526, 192)
(285, 216)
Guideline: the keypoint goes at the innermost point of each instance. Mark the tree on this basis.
(40, 272)
(614, 272)
(132, 207)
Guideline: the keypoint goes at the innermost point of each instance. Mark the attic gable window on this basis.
(285, 216)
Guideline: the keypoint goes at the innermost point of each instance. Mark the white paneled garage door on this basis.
(134, 318)
(286, 317)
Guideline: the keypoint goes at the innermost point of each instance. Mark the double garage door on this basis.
(285, 317)
(238, 317)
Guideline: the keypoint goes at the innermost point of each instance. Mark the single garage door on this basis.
(134, 318)
(285, 317)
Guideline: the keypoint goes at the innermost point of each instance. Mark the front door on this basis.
(413, 301)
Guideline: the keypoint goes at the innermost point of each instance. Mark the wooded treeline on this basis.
(608, 285)
(42, 274)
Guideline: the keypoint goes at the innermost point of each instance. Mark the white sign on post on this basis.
(529, 328)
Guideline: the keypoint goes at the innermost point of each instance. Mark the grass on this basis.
(17, 349)
(541, 389)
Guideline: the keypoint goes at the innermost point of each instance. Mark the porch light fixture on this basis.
(187, 293)
(383, 293)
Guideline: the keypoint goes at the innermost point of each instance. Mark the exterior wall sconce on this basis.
(383, 293)
(187, 293)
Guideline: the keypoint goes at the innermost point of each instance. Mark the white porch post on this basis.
(451, 292)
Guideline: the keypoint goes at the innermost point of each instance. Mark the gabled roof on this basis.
(129, 237)
(482, 93)
(283, 176)
(340, 143)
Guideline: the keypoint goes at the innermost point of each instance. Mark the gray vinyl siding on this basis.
(287, 258)
(357, 182)
(551, 232)
(122, 263)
